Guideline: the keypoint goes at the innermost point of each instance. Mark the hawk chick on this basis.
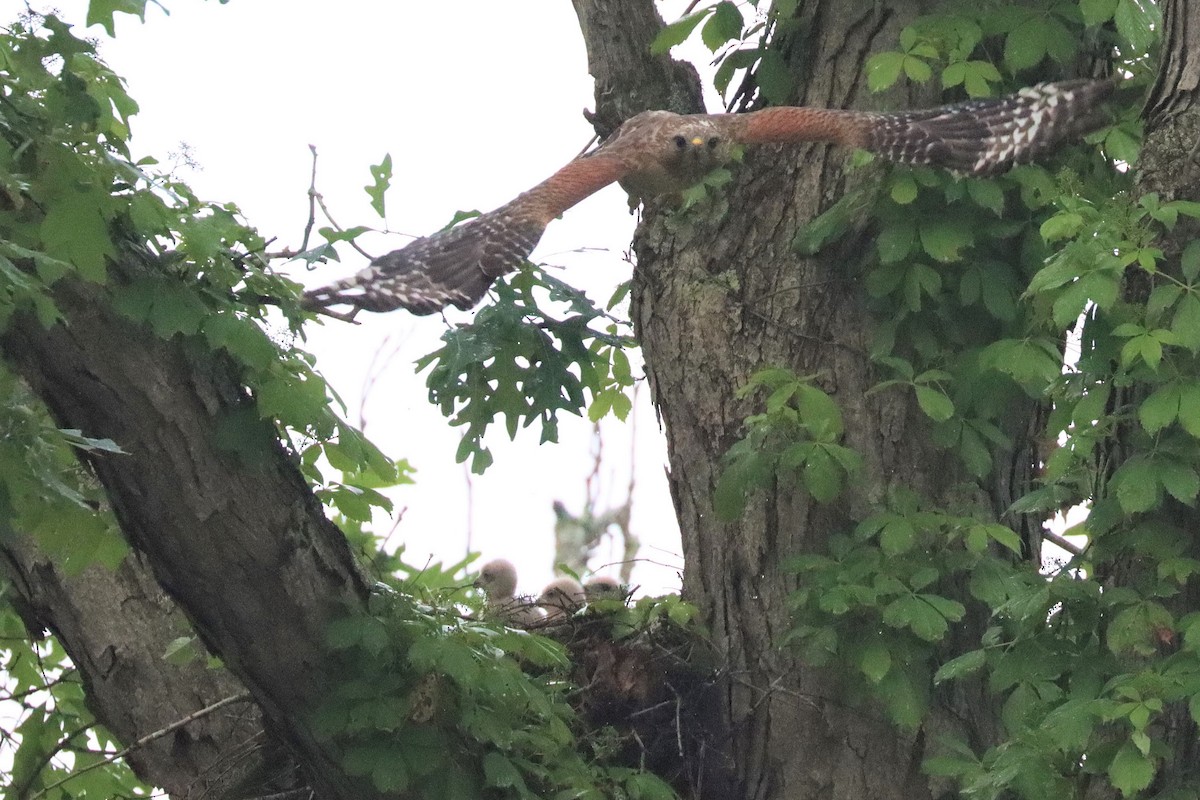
(498, 580)
(603, 587)
(561, 598)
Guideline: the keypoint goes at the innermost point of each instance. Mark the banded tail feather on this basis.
(984, 137)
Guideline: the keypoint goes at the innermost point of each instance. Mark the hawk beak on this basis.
(697, 141)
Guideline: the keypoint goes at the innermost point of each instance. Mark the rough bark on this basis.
(629, 79)
(235, 537)
(1168, 165)
(717, 295)
(116, 626)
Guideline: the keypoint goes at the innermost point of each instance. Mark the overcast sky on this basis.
(476, 101)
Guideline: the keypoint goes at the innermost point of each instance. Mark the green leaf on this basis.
(819, 412)
(75, 438)
(1137, 21)
(944, 240)
(883, 70)
(1004, 536)
(501, 772)
(724, 25)
(895, 241)
(949, 609)
(897, 536)
(100, 12)
(904, 699)
(678, 32)
(381, 179)
(1161, 408)
(875, 661)
(917, 69)
(917, 615)
(1189, 260)
(987, 194)
(1062, 225)
(1130, 771)
(390, 774)
(1136, 630)
(1186, 322)
(1137, 486)
(1026, 361)
(1162, 297)
(75, 230)
(965, 664)
(1180, 480)
(1024, 46)
(1189, 408)
(1121, 145)
(774, 78)
(904, 189)
(1096, 12)
(822, 476)
(936, 405)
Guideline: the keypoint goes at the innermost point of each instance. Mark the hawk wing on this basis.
(658, 152)
(987, 136)
(456, 266)
(452, 267)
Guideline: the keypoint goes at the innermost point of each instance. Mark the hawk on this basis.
(660, 153)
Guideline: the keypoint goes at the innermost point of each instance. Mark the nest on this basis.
(651, 698)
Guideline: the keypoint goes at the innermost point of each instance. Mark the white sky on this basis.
(476, 101)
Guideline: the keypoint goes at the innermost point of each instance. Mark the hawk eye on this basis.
(713, 142)
(680, 142)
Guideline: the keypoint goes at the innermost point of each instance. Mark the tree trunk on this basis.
(1168, 166)
(718, 294)
(116, 625)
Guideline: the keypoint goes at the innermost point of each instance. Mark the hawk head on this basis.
(666, 153)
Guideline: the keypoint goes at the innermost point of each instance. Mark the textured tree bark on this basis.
(719, 293)
(116, 626)
(629, 79)
(1168, 165)
(235, 537)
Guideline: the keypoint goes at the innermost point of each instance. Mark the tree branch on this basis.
(235, 537)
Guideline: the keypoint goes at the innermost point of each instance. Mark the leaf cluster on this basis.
(74, 206)
(445, 706)
(53, 736)
(960, 42)
(517, 360)
(794, 439)
(879, 601)
(740, 38)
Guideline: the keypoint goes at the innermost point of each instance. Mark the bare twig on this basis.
(467, 476)
(312, 200)
(340, 229)
(145, 740)
(291, 794)
(1063, 542)
(67, 676)
(380, 362)
(315, 200)
(46, 758)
